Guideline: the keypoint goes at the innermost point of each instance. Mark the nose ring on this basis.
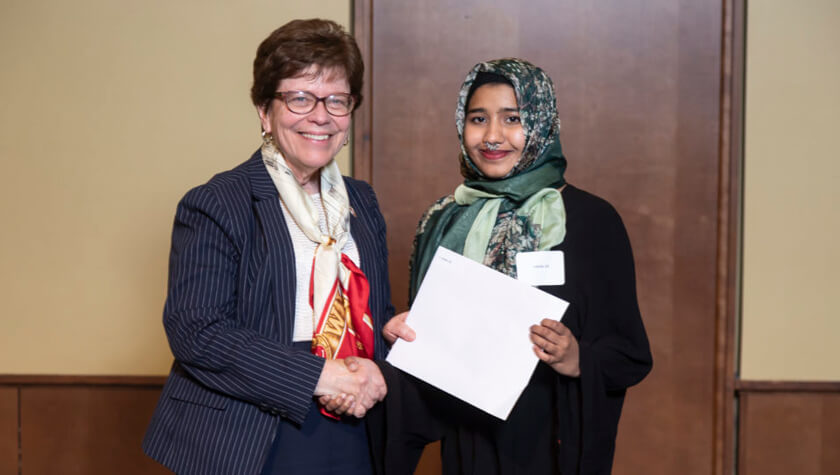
(492, 146)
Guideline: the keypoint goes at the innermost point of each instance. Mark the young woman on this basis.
(515, 199)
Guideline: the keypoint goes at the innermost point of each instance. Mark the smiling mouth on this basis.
(494, 154)
(319, 137)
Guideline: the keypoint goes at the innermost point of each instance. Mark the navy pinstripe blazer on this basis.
(229, 318)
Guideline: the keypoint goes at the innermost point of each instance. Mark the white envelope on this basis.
(472, 326)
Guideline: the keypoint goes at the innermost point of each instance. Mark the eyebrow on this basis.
(504, 109)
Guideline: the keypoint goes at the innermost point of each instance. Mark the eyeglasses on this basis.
(303, 102)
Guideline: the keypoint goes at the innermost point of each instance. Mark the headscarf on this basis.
(491, 220)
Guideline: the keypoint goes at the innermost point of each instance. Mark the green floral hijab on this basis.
(491, 220)
(537, 109)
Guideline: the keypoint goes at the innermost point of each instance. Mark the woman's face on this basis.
(307, 141)
(493, 134)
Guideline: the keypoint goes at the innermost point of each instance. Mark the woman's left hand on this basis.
(397, 328)
(556, 346)
(339, 405)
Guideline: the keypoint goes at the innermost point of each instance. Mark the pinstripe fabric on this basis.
(229, 318)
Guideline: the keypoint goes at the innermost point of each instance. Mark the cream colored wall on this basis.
(791, 322)
(110, 112)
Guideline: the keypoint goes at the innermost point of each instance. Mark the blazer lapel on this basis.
(278, 251)
(374, 262)
(360, 231)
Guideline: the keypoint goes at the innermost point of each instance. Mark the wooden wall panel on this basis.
(86, 430)
(8, 430)
(784, 433)
(639, 94)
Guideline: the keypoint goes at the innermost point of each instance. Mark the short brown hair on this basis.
(299, 44)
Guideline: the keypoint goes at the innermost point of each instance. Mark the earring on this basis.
(266, 137)
(346, 141)
(492, 146)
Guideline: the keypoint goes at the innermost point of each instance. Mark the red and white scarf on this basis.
(338, 289)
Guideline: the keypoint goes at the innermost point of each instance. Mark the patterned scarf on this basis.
(338, 289)
(488, 220)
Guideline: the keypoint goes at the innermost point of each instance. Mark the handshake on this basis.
(353, 385)
(350, 386)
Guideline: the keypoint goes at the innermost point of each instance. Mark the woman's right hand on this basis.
(397, 328)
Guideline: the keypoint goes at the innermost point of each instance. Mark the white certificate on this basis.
(472, 325)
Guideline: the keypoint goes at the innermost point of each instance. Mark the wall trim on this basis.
(729, 232)
(757, 386)
(17, 380)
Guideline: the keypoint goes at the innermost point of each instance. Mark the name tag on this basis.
(541, 268)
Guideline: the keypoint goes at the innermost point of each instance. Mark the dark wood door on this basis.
(639, 94)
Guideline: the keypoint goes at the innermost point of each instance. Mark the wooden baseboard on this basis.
(788, 427)
(76, 424)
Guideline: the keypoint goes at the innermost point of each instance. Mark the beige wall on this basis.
(791, 322)
(110, 112)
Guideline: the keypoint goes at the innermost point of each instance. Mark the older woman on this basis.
(514, 200)
(278, 281)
